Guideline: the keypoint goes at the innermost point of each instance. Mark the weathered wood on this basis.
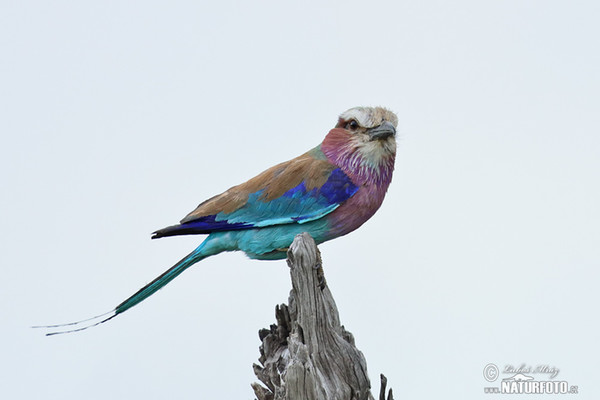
(308, 355)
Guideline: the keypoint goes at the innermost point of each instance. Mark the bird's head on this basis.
(372, 129)
(373, 123)
(364, 140)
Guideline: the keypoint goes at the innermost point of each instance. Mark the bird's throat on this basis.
(368, 162)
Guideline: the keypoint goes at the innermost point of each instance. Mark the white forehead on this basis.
(369, 117)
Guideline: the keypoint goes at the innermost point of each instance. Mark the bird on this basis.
(328, 192)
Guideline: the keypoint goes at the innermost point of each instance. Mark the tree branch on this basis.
(308, 354)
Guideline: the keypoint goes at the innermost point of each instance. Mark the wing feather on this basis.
(297, 191)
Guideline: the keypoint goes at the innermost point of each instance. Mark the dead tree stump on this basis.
(308, 355)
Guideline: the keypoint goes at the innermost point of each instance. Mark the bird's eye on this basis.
(352, 125)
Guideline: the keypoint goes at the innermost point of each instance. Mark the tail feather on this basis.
(160, 281)
(134, 299)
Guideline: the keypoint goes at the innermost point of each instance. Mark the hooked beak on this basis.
(382, 131)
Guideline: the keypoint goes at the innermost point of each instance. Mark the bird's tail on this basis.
(135, 299)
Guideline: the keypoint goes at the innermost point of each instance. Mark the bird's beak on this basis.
(382, 131)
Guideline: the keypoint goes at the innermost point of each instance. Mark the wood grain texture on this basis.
(307, 354)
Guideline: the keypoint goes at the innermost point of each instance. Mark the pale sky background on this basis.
(118, 118)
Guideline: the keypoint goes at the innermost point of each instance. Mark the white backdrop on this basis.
(118, 119)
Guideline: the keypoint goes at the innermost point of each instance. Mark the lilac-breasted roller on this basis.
(328, 192)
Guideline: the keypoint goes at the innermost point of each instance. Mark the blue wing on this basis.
(298, 204)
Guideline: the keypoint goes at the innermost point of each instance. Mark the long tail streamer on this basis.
(133, 300)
